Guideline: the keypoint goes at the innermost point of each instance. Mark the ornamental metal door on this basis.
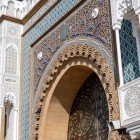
(89, 114)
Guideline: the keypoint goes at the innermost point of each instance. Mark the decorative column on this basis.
(8, 111)
(15, 123)
(1, 122)
(137, 12)
(139, 19)
(117, 27)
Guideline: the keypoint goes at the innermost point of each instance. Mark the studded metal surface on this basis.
(89, 114)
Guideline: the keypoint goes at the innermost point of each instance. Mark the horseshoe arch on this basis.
(72, 57)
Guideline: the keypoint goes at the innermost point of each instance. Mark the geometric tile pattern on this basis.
(48, 21)
(11, 60)
(39, 13)
(81, 24)
(129, 53)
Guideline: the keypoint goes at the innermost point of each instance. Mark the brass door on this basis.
(89, 113)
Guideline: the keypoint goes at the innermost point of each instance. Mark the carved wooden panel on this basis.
(89, 113)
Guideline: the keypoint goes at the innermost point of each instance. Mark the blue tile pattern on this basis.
(129, 52)
(49, 20)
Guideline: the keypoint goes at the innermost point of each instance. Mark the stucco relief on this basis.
(56, 53)
(17, 9)
(132, 102)
(95, 12)
(99, 66)
(8, 79)
(12, 41)
(11, 60)
(6, 88)
(9, 98)
(120, 7)
(9, 88)
(9, 41)
(12, 30)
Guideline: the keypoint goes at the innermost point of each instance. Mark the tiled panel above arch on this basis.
(79, 24)
(40, 28)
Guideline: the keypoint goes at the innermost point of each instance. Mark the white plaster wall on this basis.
(10, 35)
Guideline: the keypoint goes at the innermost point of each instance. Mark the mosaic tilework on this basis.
(50, 19)
(129, 53)
(81, 24)
(39, 13)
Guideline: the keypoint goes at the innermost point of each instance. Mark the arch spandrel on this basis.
(65, 58)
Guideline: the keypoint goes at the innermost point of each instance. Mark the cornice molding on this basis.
(57, 23)
(39, 19)
(116, 26)
(30, 14)
(12, 19)
(33, 11)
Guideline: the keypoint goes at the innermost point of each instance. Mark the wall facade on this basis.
(10, 40)
(37, 37)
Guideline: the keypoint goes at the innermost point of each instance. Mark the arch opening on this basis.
(58, 124)
(69, 57)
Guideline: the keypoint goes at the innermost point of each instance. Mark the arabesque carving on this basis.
(99, 66)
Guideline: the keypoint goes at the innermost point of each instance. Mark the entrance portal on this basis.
(89, 112)
(58, 100)
(78, 108)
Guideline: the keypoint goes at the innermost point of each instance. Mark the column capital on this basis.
(116, 26)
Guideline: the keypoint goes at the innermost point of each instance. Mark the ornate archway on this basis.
(67, 57)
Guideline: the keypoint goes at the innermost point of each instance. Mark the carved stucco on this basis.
(87, 28)
(120, 7)
(9, 98)
(15, 8)
(99, 65)
(12, 30)
(10, 37)
(129, 99)
(132, 102)
(128, 93)
(98, 53)
(6, 88)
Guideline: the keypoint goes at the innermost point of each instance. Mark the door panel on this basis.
(89, 113)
